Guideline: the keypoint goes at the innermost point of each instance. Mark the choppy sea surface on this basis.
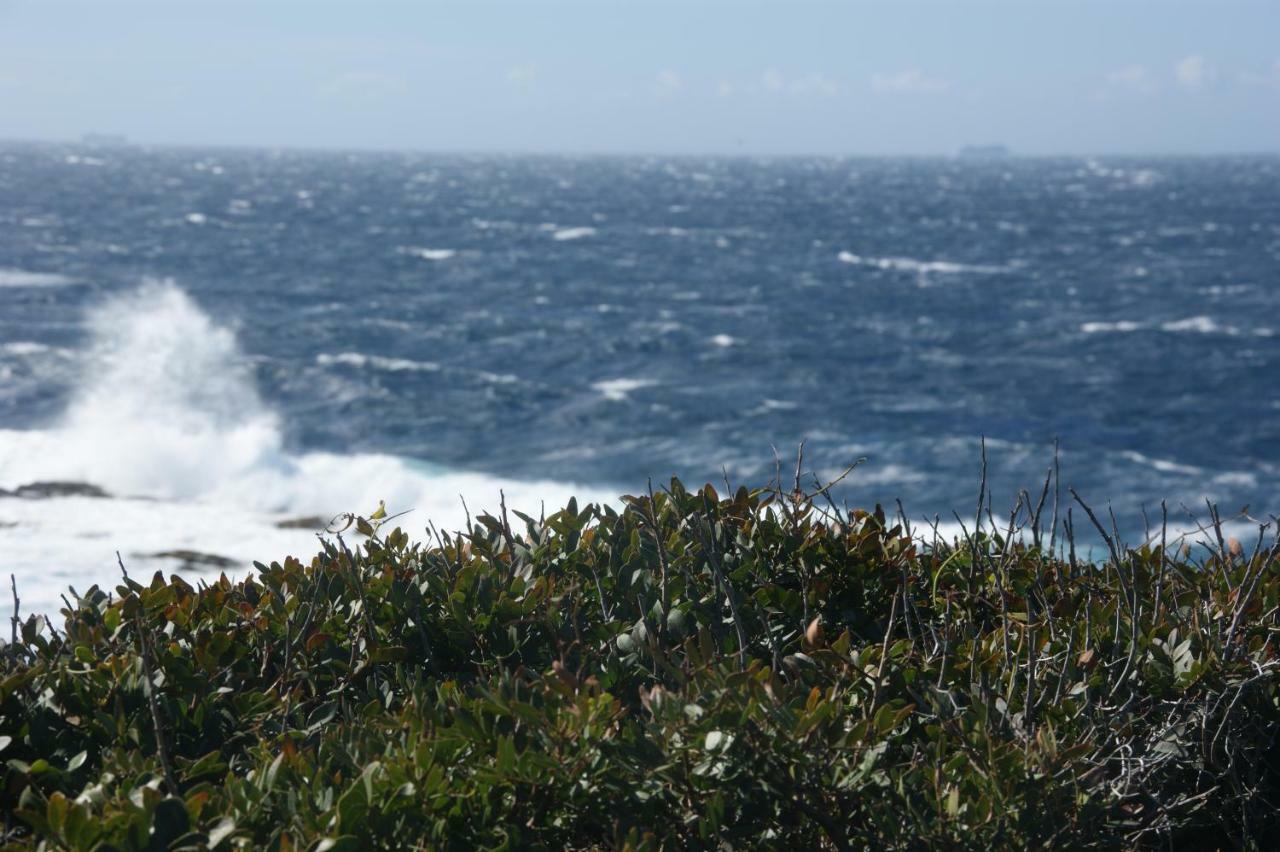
(223, 340)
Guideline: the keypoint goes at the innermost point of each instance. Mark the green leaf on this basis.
(354, 804)
(389, 654)
(269, 779)
(56, 812)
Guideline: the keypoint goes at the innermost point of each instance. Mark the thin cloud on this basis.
(523, 76)
(1131, 80)
(1269, 78)
(912, 81)
(669, 82)
(364, 86)
(1193, 73)
(814, 83)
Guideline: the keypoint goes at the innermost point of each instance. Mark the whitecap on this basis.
(723, 340)
(884, 474)
(498, 378)
(23, 278)
(24, 348)
(563, 234)
(1104, 327)
(377, 362)
(1145, 177)
(619, 389)
(167, 410)
(1236, 479)
(1162, 465)
(197, 218)
(922, 267)
(427, 253)
(1199, 325)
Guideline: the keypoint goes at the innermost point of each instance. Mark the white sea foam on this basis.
(1191, 325)
(723, 340)
(376, 362)
(1145, 177)
(1162, 465)
(1107, 327)
(497, 378)
(23, 278)
(1200, 325)
(884, 474)
(619, 389)
(24, 348)
(166, 418)
(1236, 479)
(922, 267)
(563, 234)
(427, 253)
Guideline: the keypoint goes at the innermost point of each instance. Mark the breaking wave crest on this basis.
(920, 267)
(166, 418)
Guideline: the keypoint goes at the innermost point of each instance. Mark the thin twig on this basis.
(13, 584)
(148, 670)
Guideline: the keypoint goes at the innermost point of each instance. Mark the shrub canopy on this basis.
(689, 671)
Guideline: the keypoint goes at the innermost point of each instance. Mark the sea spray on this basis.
(166, 418)
(166, 407)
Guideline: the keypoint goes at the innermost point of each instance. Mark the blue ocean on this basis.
(226, 343)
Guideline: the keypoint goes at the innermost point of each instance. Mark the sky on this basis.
(644, 76)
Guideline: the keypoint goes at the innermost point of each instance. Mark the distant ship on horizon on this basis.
(984, 152)
(105, 140)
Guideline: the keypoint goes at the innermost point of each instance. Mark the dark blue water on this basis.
(607, 320)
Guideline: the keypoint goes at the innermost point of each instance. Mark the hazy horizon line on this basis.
(127, 142)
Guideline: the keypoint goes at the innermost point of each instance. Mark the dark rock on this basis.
(195, 558)
(314, 522)
(45, 490)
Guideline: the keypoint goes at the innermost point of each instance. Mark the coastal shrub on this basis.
(690, 670)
